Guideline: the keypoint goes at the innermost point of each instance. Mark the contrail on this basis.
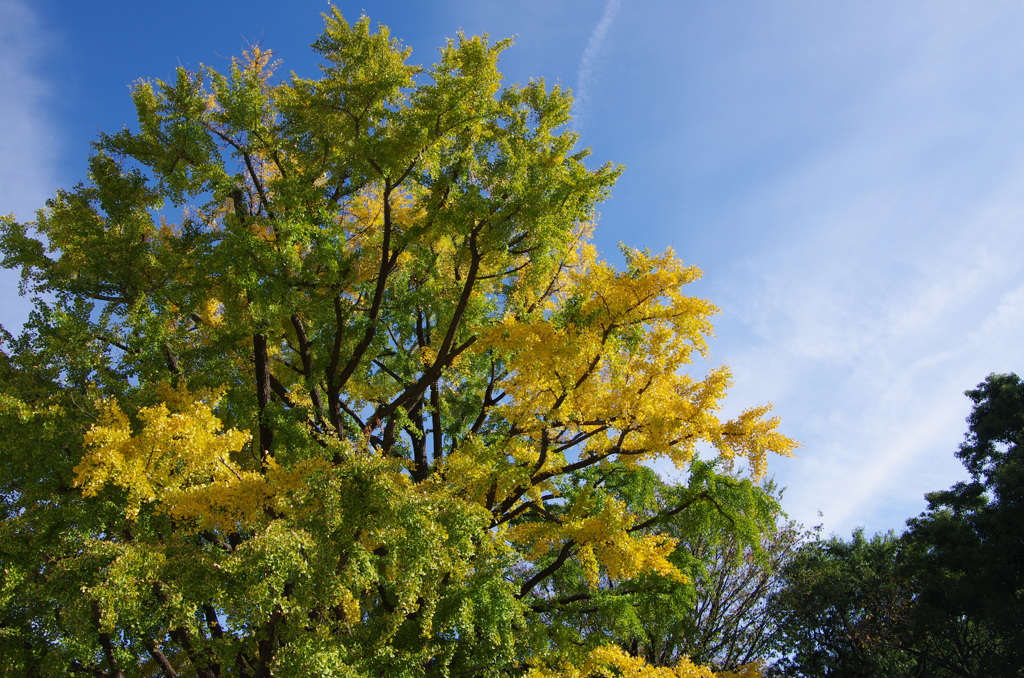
(585, 77)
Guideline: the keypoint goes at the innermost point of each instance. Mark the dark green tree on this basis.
(970, 615)
(844, 610)
(943, 599)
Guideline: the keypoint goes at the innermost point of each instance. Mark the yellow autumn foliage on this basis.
(611, 363)
(610, 661)
(176, 445)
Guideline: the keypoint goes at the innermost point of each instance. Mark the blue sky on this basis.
(850, 176)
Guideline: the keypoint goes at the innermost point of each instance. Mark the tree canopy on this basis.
(844, 610)
(970, 616)
(325, 378)
(942, 599)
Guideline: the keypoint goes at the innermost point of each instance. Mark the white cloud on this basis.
(27, 135)
(588, 62)
(27, 144)
(893, 279)
(859, 173)
(866, 334)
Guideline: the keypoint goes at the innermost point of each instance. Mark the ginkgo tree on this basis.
(325, 378)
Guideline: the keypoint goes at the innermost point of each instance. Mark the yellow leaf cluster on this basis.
(177, 447)
(610, 661)
(751, 436)
(212, 312)
(608, 358)
(604, 540)
(479, 470)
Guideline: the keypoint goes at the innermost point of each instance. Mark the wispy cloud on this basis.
(873, 272)
(867, 332)
(588, 62)
(27, 144)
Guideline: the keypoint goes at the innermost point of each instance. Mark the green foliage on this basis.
(325, 379)
(731, 544)
(734, 542)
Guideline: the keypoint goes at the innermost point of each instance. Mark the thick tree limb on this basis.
(261, 362)
(160, 658)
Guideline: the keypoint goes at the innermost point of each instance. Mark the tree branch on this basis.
(306, 356)
(559, 560)
(160, 658)
(106, 642)
(261, 362)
